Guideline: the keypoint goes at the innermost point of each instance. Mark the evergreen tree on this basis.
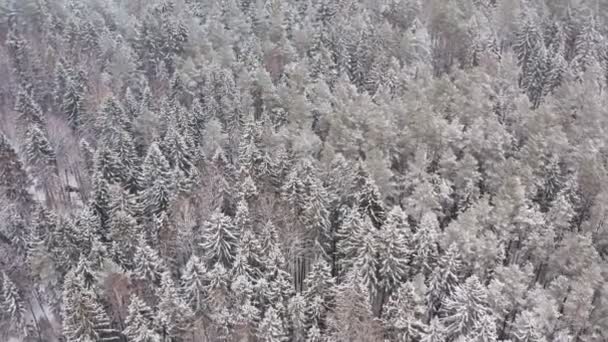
(193, 284)
(72, 103)
(156, 181)
(106, 164)
(217, 290)
(271, 328)
(351, 319)
(368, 197)
(366, 262)
(245, 314)
(249, 256)
(465, 307)
(584, 46)
(173, 314)
(110, 120)
(434, 333)
(223, 182)
(139, 324)
(14, 181)
(443, 280)
(297, 317)
(319, 287)
(84, 319)
(147, 264)
(60, 81)
(177, 146)
(219, 238)
(39, 153)
(13, 306)
(403, 313)
(394, 250)
(126, 161)
(123, 227)
(425, 242)
(101, 201)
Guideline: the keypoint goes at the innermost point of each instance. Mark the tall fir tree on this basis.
(219, 238)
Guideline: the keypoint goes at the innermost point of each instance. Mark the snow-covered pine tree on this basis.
(26, 66)
(39, 152)
(444, 280)
(585, 51)
(123, 227)
(14, 181)
(101, 201)
(244, 313)
(394, 250)
(173, 314)
(110, 120)
(176, 145)
(465, 307)
(435, 332)
(217, 290)
(350, 233)
(365, 262)
(368, 196)
(148, 265)
(352, 318)
(279, 282)
(84, 318)
(193, 284)
(223, 182)
(318, 293)
(106, 164)
(127, 162)
(156, 181)
(404, 313)
(13, 306)
(218, 240)
(272, 327)
(425, 242)
(72, 103)
(248, 256)
(296, 310)
(139, 324)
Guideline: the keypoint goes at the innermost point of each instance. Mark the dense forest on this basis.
(303, 170)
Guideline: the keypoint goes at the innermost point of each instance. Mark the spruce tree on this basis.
(84, 319)
(272, 328)
(368, 196)
(72, 103)
(39, 153)
(13, 306)
(14, 181)
(435, 332)
(444, 280)
(173, 315)
(193, 284)
(139, 323)
(394, 250)
(465, 307)
(147, 264)
(219, 238)
(403, 314)
(425, 241)
(157, 182)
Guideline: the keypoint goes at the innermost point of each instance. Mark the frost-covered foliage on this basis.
(303, 170)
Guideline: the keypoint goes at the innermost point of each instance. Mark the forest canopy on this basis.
(303, 170)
